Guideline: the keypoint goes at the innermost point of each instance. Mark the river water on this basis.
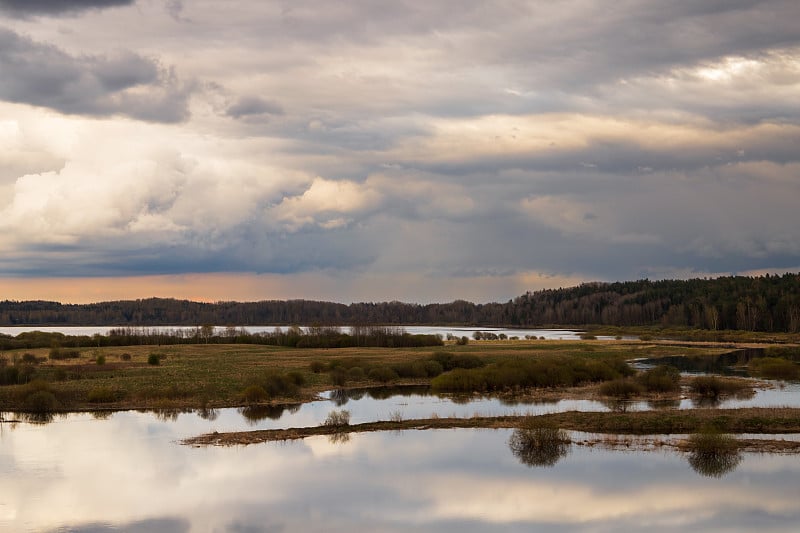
(126, 471)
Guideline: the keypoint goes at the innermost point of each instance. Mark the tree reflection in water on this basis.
(538, 443)
(256, 413)
(340, 437)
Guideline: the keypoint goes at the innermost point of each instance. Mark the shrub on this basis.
(775, 368)
(588, 337)
(41, 402)
(125, 357)
(432, 368)
(337, 418)
(29, 358)
(512, 374)
(467, 361)
(462, 341)
(9, 375)
(297, 378)
(663, 378)
(102, 395)
(254, 394)
(356, 373)
(712, 453)
(450, 361)
(713, 387)
(276, 384)
(620, 388)
(57, 352)
(539, 443)
(383, 374)
(317, 366)
(101, 359)
(153, 359)
(340, 376)
(414, 369)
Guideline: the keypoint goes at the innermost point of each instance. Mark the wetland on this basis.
(180, 447)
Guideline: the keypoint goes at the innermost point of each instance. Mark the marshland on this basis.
(278, 420)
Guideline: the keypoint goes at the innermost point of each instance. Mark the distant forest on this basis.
(768, 303)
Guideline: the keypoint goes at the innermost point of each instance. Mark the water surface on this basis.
(128, 474)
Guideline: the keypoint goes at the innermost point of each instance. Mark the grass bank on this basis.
(751, 420)
(214, 375)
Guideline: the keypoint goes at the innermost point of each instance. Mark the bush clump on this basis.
(451, 361)
(775, 368)
(714, 387)
(663, 378)
(356, 374)
(541, 372)
(100, 360)
(383, 374)
(254, 394)
(57, 353)
(103, 395)
(125, 357)
(281, 385)
(539, 443)
(340, 376)
(17, 374)
(154, 359)
(712, 453)
(39, 397)
(337, 418)
(621, 388)
(317, 366)
(41, 402)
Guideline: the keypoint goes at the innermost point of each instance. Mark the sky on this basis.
(416, 151)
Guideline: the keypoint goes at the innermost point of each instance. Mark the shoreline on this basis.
(758, 420)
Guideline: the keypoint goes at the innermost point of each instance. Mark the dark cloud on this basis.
(253, 106)
(126, 84)
(57, 7)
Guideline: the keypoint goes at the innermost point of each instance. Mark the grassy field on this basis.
(196, 376)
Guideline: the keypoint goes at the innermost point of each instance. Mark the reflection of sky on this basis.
(128, 472)
(410, 406)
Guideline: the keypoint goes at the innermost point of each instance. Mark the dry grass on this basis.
(212, 376)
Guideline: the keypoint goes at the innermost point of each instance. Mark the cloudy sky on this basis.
(367, 150)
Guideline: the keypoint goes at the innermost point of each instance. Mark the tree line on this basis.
(764, 303)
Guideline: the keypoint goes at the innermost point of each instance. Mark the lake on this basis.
(126, 471)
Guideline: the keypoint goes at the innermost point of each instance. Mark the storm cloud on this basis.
(122, 84)
(448, 145)
(54, 7)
